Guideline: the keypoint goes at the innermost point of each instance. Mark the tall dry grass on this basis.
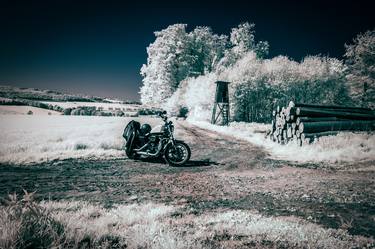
(27, 224)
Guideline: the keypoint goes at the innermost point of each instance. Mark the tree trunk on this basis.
(319, 134)
(330, 107)
(311, 112)
(323, 119)
(312, 127)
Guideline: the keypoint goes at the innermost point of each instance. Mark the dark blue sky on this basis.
(98, 47)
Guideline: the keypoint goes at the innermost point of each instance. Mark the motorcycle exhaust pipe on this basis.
(144, 146)
(150, 154)
(147, 153)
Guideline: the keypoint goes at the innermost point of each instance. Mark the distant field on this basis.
(30, 100)
(98, 105)
(10, 109)
(42, 94)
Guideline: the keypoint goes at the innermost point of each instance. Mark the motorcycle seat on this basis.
(155, 133)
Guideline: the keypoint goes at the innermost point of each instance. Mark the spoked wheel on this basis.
(177, 155)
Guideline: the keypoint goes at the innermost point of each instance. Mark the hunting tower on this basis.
(221, 104)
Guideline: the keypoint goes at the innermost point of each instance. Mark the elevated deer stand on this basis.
(221, 104)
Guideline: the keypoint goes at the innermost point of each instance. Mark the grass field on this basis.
(30, 138)
(25, 110)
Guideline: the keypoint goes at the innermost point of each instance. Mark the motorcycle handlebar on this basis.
(163, 115)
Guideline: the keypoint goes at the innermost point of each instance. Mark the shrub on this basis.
(75, 111)
(182, 113)
(25, 224)
(120, 113)
(84, 112)
(67, 111)
(148, 111)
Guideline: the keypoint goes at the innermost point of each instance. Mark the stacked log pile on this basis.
(304, 123)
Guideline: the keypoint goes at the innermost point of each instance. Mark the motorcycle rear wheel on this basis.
(177, 155)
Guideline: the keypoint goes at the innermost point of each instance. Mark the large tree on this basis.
(175, 55)
(207, 49)
(165, 57)
(242, 41)
(360, 59)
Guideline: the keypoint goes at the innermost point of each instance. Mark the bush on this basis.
(28, 225)
(182, 113)
(57, 108)
(39, 230)
(42, 105)
(147, 111)
(142, 112)
(120, 113)
(75, 111)
(67, 111)
(84, 112)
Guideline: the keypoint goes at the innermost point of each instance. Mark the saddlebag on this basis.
(130, 128)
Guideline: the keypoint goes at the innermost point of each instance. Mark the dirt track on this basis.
(223, 173)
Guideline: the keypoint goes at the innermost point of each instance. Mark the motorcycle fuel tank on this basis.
(158, 128)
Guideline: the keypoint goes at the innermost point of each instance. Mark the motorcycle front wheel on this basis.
(177, 155)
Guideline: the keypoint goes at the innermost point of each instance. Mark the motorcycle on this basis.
(142, 142)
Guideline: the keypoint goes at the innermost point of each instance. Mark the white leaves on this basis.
(361, 63)
(176, 55)
(198, 57)
(243, 36)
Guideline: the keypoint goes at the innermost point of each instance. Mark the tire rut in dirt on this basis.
(226, 150)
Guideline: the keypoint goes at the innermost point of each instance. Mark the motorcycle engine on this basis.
(153, 144)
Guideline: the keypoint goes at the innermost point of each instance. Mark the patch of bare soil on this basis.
(224, 173)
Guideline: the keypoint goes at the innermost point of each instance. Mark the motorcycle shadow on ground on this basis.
(190, 163)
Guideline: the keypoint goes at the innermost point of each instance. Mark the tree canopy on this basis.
(360, 58)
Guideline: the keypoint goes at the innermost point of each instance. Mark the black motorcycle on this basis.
(142, 143)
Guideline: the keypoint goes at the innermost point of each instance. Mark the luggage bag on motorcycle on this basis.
(130, 128)
(130, 132)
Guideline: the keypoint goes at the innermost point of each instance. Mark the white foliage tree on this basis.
(183, 66)
(257, 85)
(243, 38)
(165, 62)
(207, 49)
(242, 41)
(176, 55)
(197, 94)
(360, 58)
